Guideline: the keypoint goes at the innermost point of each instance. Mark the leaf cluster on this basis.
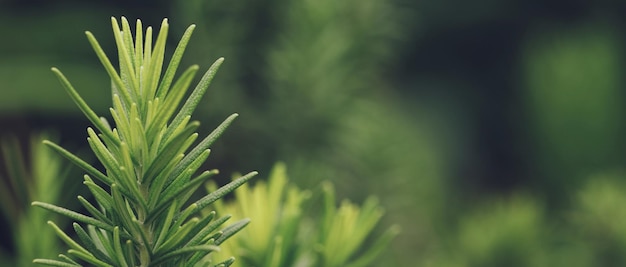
(287, 233)
(141, 216)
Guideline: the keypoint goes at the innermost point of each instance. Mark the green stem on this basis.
(144, 251)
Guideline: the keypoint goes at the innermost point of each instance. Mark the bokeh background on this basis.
(491, 130)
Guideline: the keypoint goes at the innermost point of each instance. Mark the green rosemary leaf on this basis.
(89, 244)
(172, 101)
(184, 177)
(182, 217)
(186, 195)
(129, 252)
(68, 240)
(226, 263)
(104, 155)
(120, 117)
(55, 263)
(152, 109)
(137, 139)
(207, 230)
(126, 65)
(199, 227)
(200, 256)
(173, 148)
(141, 156)
(181, 127)
(175, 237)
(117, 246)
(105, 122)
(185, 250)
(138, 53)
(156, 62)
(74, 215)
(102, 239)
(79, 162)
(91, 115)
(88, 258)
(120, 208)
(112, 146)
(130, 51)
(195, 97)
(127, 176)
(142, 234)
(68, 259)
(94, 211)
(111, 164)
(165, 223)
(102, 197)
(117, 80)
(231, 230)
(154, 191)
(219, 193)
(189, 187)
(135, 195)
(168, 77)
(147, 55)
(203, 145)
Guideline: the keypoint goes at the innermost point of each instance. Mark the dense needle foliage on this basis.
(140, 217)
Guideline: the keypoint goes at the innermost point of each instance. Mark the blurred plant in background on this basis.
(32, 174)
(286, 232)
(598, 220)
(575, 101)
(504, 233)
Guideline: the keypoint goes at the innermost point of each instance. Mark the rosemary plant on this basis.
(36, 173)
(140, 217)
(286, 233)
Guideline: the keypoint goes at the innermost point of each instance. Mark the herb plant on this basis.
(141, 216)
(30, 174)
(286, 233)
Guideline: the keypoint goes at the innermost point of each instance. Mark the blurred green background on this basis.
(489, 129)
